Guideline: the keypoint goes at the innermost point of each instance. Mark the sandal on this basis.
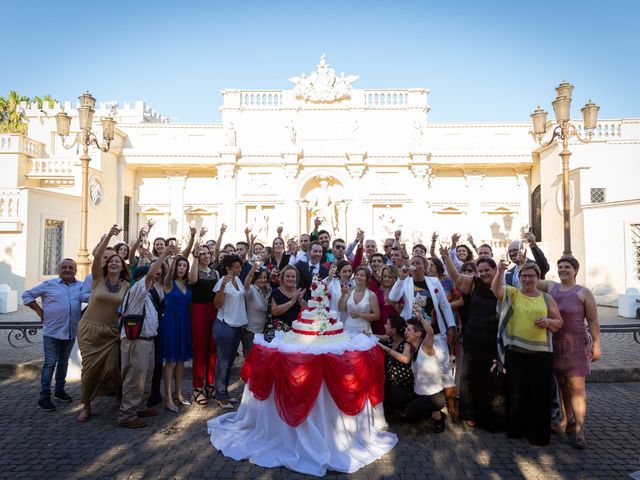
(199, 396)
(210, 391)
(580, 442)
(558, 428)
(83, 416)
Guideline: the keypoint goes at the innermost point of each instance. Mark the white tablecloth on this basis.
(327, 440)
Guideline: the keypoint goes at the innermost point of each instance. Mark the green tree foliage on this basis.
(11, 116)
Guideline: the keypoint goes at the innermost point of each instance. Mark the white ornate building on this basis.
(358, 158)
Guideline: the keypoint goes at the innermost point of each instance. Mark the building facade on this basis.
(357, 158)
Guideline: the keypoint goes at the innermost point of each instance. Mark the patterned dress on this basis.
(571, 346)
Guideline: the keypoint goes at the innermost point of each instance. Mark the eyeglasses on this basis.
(340, 247)
(468, 271)
(388, 246)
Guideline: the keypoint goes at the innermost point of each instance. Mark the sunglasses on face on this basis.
(340, 247)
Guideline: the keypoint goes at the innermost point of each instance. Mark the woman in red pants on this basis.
(203, 312)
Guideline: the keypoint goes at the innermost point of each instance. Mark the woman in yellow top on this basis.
(98, 334)
(528, 317)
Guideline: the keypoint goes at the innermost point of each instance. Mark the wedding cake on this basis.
(317, 323)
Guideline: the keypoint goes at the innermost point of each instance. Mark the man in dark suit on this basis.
(312, 267)
(518, 257)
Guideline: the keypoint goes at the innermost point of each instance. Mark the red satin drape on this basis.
(351, 378)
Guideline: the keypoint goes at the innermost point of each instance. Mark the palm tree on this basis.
(11, 115)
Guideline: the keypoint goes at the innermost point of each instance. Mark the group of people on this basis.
(495, 345)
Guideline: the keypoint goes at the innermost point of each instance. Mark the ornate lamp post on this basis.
(85, 137)
(565, 129)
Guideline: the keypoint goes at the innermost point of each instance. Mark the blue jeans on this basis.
(56, 357)
(227, 339)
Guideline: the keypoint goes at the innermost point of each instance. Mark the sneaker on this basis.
(438, 425)
(135, 423)
(226, 404)
(46, 404)
(62, 396)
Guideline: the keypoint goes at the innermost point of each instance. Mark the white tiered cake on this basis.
(317, 323)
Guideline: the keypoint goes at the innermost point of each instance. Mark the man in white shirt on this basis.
(413, 283)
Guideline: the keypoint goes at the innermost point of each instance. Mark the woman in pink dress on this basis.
(572, 351)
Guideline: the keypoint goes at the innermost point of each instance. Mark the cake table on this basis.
(310, 408)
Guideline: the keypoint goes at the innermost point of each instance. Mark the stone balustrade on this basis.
(369, 98)
(261, 98)
(18, 143)
(604, 130)
(51, 168)
(386, 98)
(9, 204)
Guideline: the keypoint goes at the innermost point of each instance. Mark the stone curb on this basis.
(31, 371)
(613, 375)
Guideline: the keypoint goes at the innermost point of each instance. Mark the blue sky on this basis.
(484, 61)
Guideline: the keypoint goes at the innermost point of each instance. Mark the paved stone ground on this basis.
(35, 444)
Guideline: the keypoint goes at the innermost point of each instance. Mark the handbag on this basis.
(133, 323)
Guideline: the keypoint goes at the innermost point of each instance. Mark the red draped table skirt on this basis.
(308, 408)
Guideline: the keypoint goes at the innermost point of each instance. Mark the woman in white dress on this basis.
(360, 303)
(339, 276)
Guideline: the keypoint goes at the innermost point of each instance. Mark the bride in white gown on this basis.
(360, 304)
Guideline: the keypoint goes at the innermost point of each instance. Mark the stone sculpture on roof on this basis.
(322, 85)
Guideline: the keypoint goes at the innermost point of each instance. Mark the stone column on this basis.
(420, 167)
(227, 191)
(289, 213)
(356, 166)
(474, 180)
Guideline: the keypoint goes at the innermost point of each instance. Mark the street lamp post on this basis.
(565, 129)
(86, 138)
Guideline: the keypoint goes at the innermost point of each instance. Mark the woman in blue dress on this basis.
(176, 329)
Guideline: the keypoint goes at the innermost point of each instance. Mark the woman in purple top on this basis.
(572, 351)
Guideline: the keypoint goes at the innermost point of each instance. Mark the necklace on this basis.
(113, 288)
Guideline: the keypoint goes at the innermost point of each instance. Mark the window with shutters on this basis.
(53, 246)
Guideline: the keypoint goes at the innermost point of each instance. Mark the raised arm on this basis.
(434, 239)
(316, 225)
(497, 285)
(461, 281)
(472, 243)
(538, 254)
(136, 245)
(249, 277)
(545, 285)
(397, 291)
(193, 269)
(192, 239)
(168, 278)
(453, 254)
(216, 251)
(154, 268)
(98, 252)
(427, 344)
